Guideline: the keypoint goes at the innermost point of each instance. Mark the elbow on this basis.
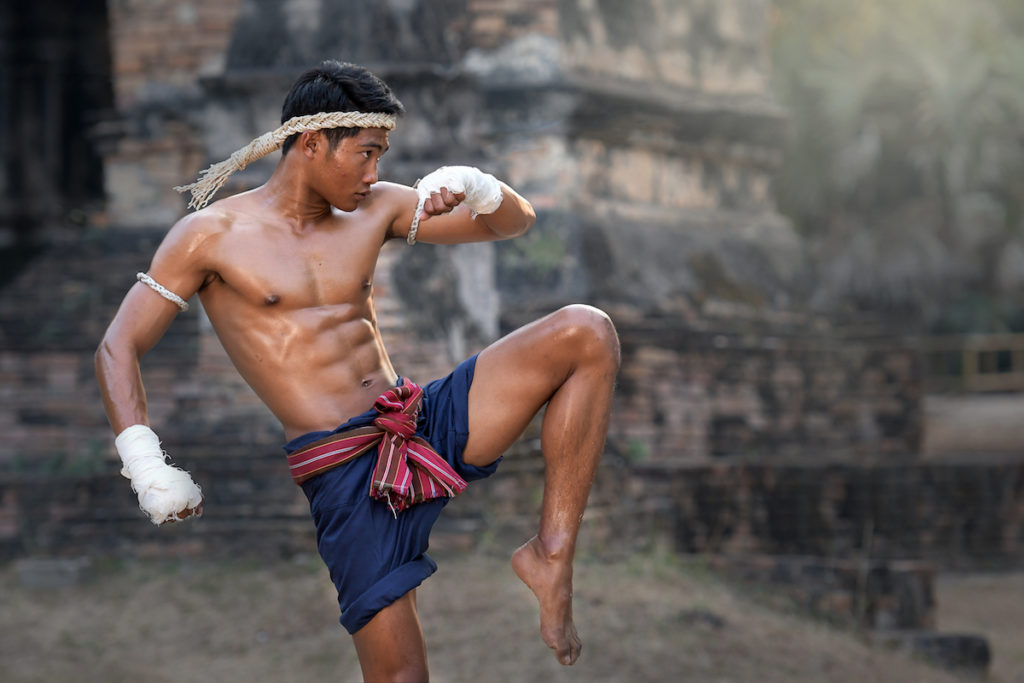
(101, 359)
(512, 219)
(529, 217)
(108, 355)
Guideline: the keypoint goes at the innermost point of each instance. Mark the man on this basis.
(285, 274)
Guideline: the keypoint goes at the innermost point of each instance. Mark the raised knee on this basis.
(591, 331)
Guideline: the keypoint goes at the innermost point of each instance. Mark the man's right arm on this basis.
(141, 320)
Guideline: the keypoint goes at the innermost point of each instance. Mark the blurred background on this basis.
(806, 219)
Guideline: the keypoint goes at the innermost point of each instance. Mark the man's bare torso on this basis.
(294, 308)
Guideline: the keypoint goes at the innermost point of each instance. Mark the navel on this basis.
(271, 299)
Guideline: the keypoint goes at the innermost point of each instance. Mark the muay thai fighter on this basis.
(285, 275)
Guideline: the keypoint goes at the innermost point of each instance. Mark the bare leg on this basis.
(391, 646)
(568, 360)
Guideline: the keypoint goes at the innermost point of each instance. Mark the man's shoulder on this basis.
(196, 236)
(215, 219)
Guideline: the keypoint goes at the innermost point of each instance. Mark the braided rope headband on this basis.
(213, 178)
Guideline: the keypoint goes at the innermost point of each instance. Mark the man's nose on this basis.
(371, 176)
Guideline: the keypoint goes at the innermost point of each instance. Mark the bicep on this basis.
(141, 320)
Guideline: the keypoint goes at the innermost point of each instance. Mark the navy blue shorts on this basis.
(375, 557)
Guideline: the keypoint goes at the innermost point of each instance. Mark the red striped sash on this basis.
(408, 469)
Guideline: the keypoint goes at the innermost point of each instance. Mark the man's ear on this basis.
(310, 141)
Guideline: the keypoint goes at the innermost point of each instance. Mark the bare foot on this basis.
(550, 579)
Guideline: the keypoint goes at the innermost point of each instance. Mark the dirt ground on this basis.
(651, 618)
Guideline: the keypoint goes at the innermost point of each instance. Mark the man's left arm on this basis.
(457, 204)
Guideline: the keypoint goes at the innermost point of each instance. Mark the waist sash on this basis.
(408, 469)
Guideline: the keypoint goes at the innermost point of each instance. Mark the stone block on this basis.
(964, 653)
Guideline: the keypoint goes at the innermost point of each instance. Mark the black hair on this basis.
(337, 86)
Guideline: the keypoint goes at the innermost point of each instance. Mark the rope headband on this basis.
(213, 178)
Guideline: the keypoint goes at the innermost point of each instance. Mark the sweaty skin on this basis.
(294, 311)
(285, 274)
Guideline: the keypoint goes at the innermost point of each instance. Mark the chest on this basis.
(289, 271)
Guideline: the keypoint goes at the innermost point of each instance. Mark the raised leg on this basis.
(569, 361)
(391, 647)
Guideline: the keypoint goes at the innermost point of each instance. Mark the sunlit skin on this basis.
(285, 275)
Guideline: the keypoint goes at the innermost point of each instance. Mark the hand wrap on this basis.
(483, 191)
(163, 490)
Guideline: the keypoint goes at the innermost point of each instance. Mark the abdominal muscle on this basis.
(314, 368)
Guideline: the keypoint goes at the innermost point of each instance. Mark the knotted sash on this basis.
(408, 469)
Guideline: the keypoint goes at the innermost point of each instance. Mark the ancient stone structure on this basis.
(643, 133)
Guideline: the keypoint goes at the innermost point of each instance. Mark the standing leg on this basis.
(568, 360)
(391, 646)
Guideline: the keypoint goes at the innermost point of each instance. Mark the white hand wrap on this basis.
(163, 490)
(483, 191)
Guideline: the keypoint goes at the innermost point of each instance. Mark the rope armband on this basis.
(162, 291)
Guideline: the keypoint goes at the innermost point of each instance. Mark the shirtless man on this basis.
(284, 273)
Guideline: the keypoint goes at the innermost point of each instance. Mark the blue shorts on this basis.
(375, 557)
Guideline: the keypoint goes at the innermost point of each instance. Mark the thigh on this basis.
(391, 646)
(513, 379)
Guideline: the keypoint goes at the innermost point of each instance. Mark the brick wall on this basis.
(956, 516)
(712, 47)
(160, 49)
(161, 46)
(54, 315)
(493, 23)
(765, 391)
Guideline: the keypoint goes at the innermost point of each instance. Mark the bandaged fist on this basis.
(166, 493)
(196, 511)
(447, 187)
(440, 202)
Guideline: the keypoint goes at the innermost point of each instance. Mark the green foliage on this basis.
(539, 252)
(637, 451)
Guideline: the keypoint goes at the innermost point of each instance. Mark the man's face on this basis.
(352, 167)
